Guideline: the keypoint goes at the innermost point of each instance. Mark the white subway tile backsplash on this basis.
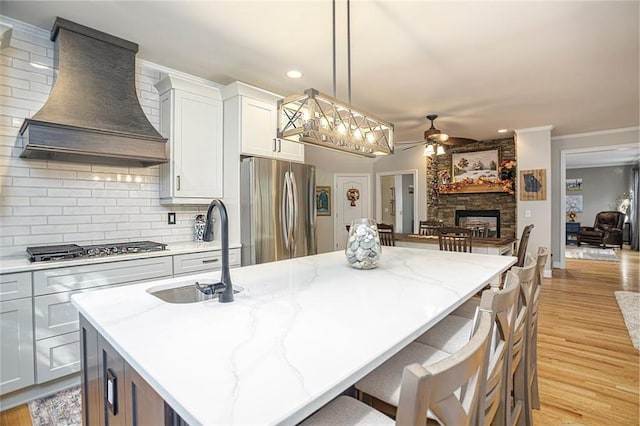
(110, 218)
(84, 210)
(53, 229)
(68, 192)
(37, 211)
(89, 236)
(40, 183)
(122, 210)
(20, 220)
(51, 202)
(53, 174)
(119, 235)
(68, 219)
(96, 201)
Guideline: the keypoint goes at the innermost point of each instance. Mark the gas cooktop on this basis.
(70, 251)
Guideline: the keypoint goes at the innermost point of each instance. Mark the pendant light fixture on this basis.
(429, 149)
(320, 120)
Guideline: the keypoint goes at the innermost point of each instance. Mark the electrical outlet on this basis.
(527, 213)
(171, 218)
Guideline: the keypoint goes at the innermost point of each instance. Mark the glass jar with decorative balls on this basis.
(363, 244)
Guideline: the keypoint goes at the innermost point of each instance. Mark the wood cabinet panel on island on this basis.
(191, 118)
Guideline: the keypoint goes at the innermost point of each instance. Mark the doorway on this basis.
(352, 200)
(396, 200)
(586, 158)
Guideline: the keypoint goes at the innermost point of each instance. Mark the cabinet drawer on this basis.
(78, 277)
(57, 356)
(55, 315)
(15, 286)
(203, 262)
(16, 345)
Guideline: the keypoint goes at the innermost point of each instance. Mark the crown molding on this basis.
(25, 28)
(597, 133)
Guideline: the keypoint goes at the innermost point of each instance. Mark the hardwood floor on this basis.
(588, 368)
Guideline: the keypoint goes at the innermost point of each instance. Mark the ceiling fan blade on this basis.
(411, 147)
(453, 141)
(408, 142)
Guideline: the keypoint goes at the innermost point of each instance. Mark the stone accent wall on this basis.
(443, 206)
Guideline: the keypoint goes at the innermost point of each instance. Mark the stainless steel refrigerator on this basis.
(277, 210)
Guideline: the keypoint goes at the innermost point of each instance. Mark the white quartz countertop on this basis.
(9, 265)
(302, 331)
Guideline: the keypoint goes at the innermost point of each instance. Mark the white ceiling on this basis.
(480, 65)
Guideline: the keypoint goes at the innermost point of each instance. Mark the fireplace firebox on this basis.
(490, 218)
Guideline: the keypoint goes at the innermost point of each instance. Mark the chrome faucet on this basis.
(225, 278)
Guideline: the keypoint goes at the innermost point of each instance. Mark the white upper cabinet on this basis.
(191, 117)
(251, 123)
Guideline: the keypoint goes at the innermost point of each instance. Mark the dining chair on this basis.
(517, 407)
(532, 396)
(453, 332)
(430, 227)
(387, 236)
(522, 245)
(447, 390)
(455, 238)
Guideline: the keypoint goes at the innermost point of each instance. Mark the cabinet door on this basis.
(143, 404)
(258, 128)
(57, 356)
(16, 345)
(112, 380)
(291, 151)
(15, 286)
(198, 146)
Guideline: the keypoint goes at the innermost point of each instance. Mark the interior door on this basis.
(352, 200)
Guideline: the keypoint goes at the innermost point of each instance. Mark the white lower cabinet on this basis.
(57, 356)
(193, 263)
(16, 344)
(39, 325)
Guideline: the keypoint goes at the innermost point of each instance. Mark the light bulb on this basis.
(357, 134)
(341, 128)
(428, 150)
(370, 137)
(440, 150)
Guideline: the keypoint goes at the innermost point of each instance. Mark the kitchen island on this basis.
(300, 333)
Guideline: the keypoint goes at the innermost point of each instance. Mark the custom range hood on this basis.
(92, 114)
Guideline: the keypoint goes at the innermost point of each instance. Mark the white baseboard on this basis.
(25, 395)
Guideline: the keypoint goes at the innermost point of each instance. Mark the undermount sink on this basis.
(188, 293)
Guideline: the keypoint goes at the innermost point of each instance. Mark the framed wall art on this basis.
(574, 203)
(574, 184)
(323, 200)
(533, 185)
(475, 165)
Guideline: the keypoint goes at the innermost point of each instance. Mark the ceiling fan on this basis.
(433, 135)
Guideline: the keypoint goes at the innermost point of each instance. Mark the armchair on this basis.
(607, 229)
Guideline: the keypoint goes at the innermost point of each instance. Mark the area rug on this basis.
(60, 409)
(591, 253)
(629, 303)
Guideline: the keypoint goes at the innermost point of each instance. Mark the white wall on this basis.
(328, 163)
(533, 151)
(48, 202)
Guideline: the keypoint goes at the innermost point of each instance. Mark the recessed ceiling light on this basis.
(294, 74)
(503, 130)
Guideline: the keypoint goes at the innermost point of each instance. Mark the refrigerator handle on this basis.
(294, 209)
(284, 210)
(291, 204)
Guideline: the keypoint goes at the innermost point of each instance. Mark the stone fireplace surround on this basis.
(443, 207)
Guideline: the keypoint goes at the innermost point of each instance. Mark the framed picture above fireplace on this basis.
(475, 165)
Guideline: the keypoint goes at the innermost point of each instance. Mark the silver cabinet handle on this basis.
(274, 149)
(279, 145)
(178, 183)
(210, 260)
